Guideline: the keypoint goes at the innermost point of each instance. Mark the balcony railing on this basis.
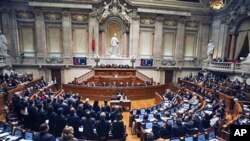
(228, 66)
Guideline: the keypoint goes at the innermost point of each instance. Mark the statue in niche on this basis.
(3, 44)
(105, 11)
(124, 13)
(114, 44)
(210, 50)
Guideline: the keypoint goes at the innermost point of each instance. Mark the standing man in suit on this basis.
(103, 127)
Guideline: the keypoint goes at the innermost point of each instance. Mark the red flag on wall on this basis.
(93, 41)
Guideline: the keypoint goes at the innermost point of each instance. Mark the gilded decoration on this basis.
(79, 17)
(192, 24)
(147, 21)
(170, 22)
(53, 16)
(114, 8)
(25, 14)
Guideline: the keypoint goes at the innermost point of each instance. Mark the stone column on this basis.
(13, 34)
(180, 40)
(67, 34)
(40, 35)
(125, 42)
(134, 37)
(232, 47)
(204, 39)
(158, 38)
(93, 29)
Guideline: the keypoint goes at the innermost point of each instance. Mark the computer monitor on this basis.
(134, 112)
(154, 108)
(141, 117)
(9, 128)
(211, 135)
(28, 135)
(18, 132)
(1, 127)
(201, 137)
(158, 106)
(175, 139)
(170, 121)
(189, 138)
(150, 116)
(142, 111)
(160, 123)
(148, 125)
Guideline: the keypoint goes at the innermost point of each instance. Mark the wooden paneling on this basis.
(101, 93)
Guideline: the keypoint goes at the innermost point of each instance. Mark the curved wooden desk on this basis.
(102, 93)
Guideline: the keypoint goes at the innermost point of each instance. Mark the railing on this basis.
(222, 65)
(84, 77)
(238, 66)
(229, 66)
(143, 77)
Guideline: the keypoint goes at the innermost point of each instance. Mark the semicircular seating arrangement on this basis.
(189, 110)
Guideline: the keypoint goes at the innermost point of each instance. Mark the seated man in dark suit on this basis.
(43, 135)
(103, 127)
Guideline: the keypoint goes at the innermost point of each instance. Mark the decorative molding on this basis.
(53, 16)
(206, 21)
(241, 9)
(54, 60)
(182, 20)
(79, 17)
(170, 22)
(159, 19)
(24, 14)
(38, 12)
(192, 24)
(147, 21)
(66, 13)
(114, 8)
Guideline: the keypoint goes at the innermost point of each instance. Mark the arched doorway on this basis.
(110, 26)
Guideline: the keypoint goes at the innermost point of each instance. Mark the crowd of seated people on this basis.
(221, 83)
(8, 81)
(88, 121)
(115, 84)
(169, 119)
(114, 66)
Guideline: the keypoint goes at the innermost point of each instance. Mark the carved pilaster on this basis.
(67, 33)
(158, 37)
(24, 14)
(40, 33)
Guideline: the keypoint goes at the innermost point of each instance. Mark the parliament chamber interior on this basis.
(116, 70)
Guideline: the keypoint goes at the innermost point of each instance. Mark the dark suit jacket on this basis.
(179, 131)
(103, 128)
(118, 130)
(88, 124)
(44, 136)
